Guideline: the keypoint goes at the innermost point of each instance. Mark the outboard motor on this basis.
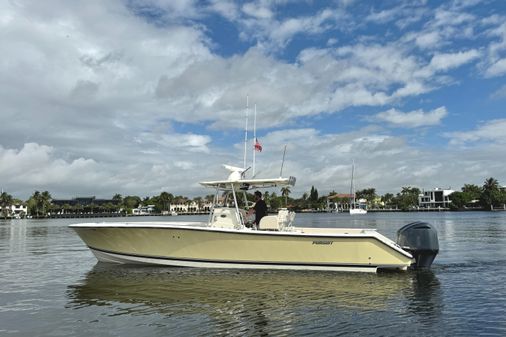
(419, 239)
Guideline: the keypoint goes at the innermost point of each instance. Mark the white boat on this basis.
(356, 211)
(227, 241)
(355, 208)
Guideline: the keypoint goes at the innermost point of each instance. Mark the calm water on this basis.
(51, 285)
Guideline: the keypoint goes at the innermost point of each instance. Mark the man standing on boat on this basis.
(260, 208)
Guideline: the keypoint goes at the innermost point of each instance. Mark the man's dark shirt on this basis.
(260, 210)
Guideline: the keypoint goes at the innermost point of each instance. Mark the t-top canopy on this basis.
(246, 184)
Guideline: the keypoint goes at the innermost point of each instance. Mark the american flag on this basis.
(258, 146)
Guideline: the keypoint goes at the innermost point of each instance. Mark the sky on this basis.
(143, 96)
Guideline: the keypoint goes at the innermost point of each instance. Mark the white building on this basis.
(143, 210)
(435, 198)
(16, 211)
(190, 207)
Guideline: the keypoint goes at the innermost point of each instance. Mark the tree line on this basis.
(487, 196)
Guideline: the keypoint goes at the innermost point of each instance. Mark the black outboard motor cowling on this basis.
(420, 239)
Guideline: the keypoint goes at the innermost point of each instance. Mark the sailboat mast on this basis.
(352, 187)
(254, 139)
(282, 163)
(246, 133)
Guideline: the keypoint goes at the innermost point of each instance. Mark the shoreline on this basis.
(116, 215)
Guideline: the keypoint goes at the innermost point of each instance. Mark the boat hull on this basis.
(305, 249)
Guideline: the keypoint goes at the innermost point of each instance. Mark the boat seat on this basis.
(269, 223)
(224, 217)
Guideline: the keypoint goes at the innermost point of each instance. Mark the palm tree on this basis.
(490, 184)
(117, 198)
(285, 191)
(491, 193)
(474, 191)
(5, 203)
(35, 202)
(45, 199)
(165, 199)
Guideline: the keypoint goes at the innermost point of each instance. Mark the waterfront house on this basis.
(83, 201)
(16, 211)
(190, 207)
(435, 198)
(341, 202)
(144, 210)
(84, 205)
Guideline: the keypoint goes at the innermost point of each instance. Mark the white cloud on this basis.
(188, 142)
(383, 161)
(495, 63)
(450, 18)
(272, 31)
(498, 68)
(258, 10)
(226, 8)
(499, 93)
(443, 25)
(428, 171)
(34, 165)
(428, 40)
(283, 31)
(445, 61)
(170, 73)
(42, 167)
(384, 16)
(412, 119)
(491, 131)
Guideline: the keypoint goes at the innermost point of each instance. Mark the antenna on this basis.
(282, 162)
(246, 131)
(254, 138)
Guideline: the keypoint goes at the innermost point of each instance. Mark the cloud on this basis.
(442, 26)
(493, 131)
(428, 40)
(227, 9)
(498, 68)
(499, 93)
(412, 119)
(428, 171)
(34, 165)
(188, 142)
(41, 167)
(383, 161)
(446, 61)
(282, 32)
(384, 16)
(257, 10)
(266, 24)
(495, 63)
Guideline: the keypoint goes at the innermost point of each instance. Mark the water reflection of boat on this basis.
(154, 286)
(263, 300)
(226, 240)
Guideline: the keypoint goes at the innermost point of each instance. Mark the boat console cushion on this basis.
(224, 218)
(269, 222)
